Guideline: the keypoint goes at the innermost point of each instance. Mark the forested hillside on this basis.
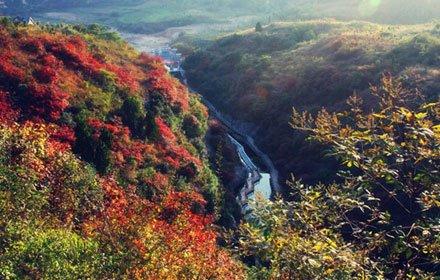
(258, 77)
(103, 173)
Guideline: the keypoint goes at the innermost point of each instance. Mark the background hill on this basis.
(257, 77)
(149, 16)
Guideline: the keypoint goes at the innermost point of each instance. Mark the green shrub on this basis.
(133, 115)
(34, 253)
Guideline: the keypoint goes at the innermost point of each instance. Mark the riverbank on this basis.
(240, 130)
(267, 184)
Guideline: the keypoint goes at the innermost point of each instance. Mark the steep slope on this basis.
(257, 77)
(102, 165)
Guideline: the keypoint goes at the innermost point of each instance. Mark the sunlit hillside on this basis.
(381, 11)
(149, 16)
(102, 166)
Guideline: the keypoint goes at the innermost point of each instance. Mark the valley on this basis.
(257, 77)
(229, 139)
(150, 43)
(257, 182)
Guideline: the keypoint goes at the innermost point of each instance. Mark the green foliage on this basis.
(91, 149)
(290, 240)
(18, 185)
(99, 31)
(29, 252)
(389, 199)
(102, 152)
(80, 191)
(192, 127)
(209, 185)
(382, 221)
(422, 48)
(26, 194)
(106, 80)
(133, 116)
(30, 248)
(156, 105)
(6, 22)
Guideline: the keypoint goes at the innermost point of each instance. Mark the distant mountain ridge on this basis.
(13, 5)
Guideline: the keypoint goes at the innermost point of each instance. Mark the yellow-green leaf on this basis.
(420, 116)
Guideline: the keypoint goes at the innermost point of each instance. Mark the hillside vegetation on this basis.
(382, 220)
(257, 77)
(102, 165)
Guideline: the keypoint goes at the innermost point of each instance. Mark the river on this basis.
(258, 183)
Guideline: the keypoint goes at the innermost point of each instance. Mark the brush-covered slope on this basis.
(258, 77)
(102, 166)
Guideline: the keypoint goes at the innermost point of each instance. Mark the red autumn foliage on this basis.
(7, 113)
(46, 80)
(74, 52)
(183, 155)
(175, 155)
(63, 137)
(117, 207)
(173, 91)
(181, 202)
(123, 77)
(50, 60)
(165, 131)
(9, 73)
(54, 62)
(45, 101)
(149, 62)
(159, 181)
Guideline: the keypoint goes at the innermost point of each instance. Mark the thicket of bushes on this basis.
(382, 221)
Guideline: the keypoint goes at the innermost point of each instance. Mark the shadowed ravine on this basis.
(265, 184)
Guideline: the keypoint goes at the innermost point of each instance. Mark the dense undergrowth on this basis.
(103, 172)
(257, 77)
(382, 221)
